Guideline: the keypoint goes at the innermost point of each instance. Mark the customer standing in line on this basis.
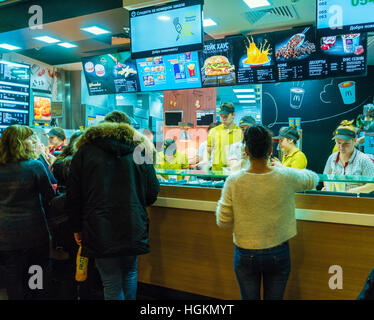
(24, 236)
(259, 204)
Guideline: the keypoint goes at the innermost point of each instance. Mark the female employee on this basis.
(293, 156)
(259, 204)
(348, 160)
(56, 140)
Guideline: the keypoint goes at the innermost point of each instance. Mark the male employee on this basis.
(293, 156)
(238, 159)
(222, 137)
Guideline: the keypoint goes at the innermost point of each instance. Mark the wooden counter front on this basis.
(190, 253)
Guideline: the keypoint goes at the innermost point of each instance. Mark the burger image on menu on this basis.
(100, 70)
(89, 67)
(218, 70)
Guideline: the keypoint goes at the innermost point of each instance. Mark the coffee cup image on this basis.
(89, 67)
(99, 70)
(348, 91)
(296, 97)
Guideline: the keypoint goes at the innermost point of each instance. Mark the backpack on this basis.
(56, 213)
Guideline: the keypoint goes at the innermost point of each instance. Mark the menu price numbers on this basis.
(322, 14)
(322, 3)
(356, 3)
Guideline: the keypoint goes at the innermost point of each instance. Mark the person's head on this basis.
(118, 117)
(170, 147)
(227, 113)
(258, 142)
(345, 137)
(71, 148)
(246, 122)
(16, 144)
(287, 139)
(56, 136)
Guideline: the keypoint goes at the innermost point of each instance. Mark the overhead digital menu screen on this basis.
(171, 72)
(111, 73)
(217, 63)
(169, 29)
(336, 17)
(254, 59)
(14, 93)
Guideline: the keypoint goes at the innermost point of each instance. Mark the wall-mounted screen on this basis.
(171, 72)
(336, 17)
(204, 118)
(111, 73)
(254, 58)
(42, 108)
(168, 29)
(14, 93)
(217, 64)
(172, 118)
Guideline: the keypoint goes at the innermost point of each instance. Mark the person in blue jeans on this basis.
(258, 203)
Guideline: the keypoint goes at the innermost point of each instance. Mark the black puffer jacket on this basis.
(108, 192)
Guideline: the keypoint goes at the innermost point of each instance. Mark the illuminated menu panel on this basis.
(14, 93)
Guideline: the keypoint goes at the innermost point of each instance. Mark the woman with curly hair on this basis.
(24, 236)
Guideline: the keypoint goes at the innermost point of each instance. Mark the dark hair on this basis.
(258, 141)
(70, 149)
(118, 117)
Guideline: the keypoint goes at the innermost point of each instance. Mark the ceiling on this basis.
(64, 19)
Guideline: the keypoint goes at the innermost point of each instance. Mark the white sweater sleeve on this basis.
(302, 179)
(224, 212)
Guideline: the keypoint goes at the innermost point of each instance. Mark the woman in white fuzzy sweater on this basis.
(258, 203)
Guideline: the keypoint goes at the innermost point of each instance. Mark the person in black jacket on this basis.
(109, 189)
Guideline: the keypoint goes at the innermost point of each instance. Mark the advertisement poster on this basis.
(254, 58)
(42, 108)
(171, 72)
(111, 73)
(217, 64)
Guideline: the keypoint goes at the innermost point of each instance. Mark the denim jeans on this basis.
(119, 276)
(16, 272)
(271, 265)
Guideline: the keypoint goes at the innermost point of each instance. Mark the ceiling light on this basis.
(164, 18)
(243, 90)
(95, 30)
(209, 22)
(247, 101)
(8, 46)
(47, 39)
(246, 96)
(67, 45)
(257, 3)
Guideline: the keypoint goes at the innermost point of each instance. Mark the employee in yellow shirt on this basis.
(222, 137)
(171, 158)
(293, 157)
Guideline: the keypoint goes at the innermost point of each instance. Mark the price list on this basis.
(291, 71)
(256, 75)
(318, 68)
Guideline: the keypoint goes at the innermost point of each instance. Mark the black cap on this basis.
(57, 132)
(226, 108)
(344, 134)
(290, 133)
(247, 120)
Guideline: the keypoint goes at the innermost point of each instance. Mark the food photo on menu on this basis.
(343, 45)
(42, 108)
(217, 66)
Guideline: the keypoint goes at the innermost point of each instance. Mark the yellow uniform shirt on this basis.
(220, 139)
(178, 162)
(296, 159)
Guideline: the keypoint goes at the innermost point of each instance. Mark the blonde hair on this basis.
(12, 144)
(345, 124)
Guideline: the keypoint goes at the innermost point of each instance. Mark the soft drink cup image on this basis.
(296, 97)
(348, 91)
(298, 123)
(291, 122)
(191, 69)
(188, 55)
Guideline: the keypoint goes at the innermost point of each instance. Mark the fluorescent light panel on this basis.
(246, 96)
(95, 30)
(8, 46)
(209, 22)
(67, 45)
(243, 90)
(47, 39)
(257, 3)
(247, 101)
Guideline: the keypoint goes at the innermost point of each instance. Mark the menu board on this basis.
(168, 29)
(217, 63)
(14, 93)
(254, 58)
(336, 17)
(171, 72)
(111, 73)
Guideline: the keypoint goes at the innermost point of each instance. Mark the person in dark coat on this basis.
(109, 188)
(24, 235)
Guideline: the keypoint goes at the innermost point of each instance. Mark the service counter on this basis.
(190, 253)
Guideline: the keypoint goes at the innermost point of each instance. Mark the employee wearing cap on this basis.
(238, 159)
(222, 137)
(293, 157)
(171, 158)
(56, 140)
(349, 161)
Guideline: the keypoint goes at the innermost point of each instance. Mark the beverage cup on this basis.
(348, 91)
(296, 97)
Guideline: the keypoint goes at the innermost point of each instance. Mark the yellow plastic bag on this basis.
(82, 264)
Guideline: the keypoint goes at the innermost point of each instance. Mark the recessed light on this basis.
(257, 3)
(246, 96)
(247, 101)
(243, 90)
(67, 45)
(8, 46)
(95, 30)
(47, 39)
(209, 22)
